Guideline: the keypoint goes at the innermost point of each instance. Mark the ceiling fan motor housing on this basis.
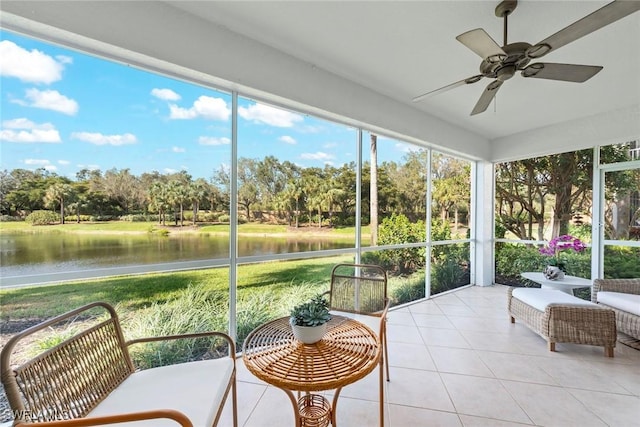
(515, 60)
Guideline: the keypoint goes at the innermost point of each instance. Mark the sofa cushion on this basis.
(622, 301)
(541, 298)
(195, 388)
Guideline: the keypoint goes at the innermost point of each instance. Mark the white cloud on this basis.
(288, 140)
(178, 149)
(169, 170)
(36, 162)
(64, 162)
(165, 94)
(49, 100)
(90, 167)
(100, 139)
(206, 107)
(264, 114)
(23, 130)
(30, 66)
(212, 140)
(41, 163)
(319, 155)
(406, 148)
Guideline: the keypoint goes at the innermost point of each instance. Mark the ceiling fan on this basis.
(501, 63)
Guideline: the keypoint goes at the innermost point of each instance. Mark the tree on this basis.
(56, 195)
(373, 192)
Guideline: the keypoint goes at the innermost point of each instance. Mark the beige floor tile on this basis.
(414, 356)
(406, 416)
(551, 406)
(433, 321)
(515, 367)
(614, 409)
(248, 395)
(443, 337)
(577, 374)
(403, 333)
(400, 318)
(420, 389)
(470, 421)
(358, 413)
(368, 388)
(483, 397)
(459, 361)
(429, 307)
(274, 409)
(428, 341)
(491, 341)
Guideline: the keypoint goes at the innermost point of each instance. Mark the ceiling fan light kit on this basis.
(501, 63)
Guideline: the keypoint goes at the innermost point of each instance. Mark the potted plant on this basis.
(556, 266)
(309, 319)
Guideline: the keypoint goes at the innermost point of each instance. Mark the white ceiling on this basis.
(366, 60)
(405, 48)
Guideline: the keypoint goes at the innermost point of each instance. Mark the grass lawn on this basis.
(135, 292)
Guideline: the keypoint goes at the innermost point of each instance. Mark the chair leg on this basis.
(235, 401)
(386, 356)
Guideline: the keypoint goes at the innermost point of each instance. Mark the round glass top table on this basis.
(566, 285)
(349, 351)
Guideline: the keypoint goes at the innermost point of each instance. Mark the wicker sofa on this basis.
(562, 318)
(89, 379)
(623, 297)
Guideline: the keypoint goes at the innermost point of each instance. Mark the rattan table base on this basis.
(348, 352)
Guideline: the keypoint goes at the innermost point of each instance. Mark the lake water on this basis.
(34, 258)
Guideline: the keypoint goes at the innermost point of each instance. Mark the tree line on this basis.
(292, 193)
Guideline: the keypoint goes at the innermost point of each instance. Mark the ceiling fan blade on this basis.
(590, 23)
(466, 81)
(486, 97)
(482, 44)
(564, 72)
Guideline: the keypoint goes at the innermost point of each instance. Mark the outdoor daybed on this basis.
(562, 318)
(623, 297)
(89, 379)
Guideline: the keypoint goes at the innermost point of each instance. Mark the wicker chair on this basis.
(360, 291)
(90, 379)
(627, 323)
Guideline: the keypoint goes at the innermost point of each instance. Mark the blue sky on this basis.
(65, 111)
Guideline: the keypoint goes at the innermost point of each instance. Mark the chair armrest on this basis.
(171, 414)
(226, 337)
(626, 286)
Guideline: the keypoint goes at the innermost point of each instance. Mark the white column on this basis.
(482, 193)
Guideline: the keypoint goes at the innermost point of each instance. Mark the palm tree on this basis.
(373, 192)
(56, 194)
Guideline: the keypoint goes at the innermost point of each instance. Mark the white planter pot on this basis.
(551, 272)
(309, 334)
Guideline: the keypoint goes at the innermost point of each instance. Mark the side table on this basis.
(349, 351)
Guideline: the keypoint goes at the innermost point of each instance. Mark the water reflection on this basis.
(27, 254)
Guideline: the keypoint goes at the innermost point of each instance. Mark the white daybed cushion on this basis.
(195, 388)
(541, 298)
(625, 302)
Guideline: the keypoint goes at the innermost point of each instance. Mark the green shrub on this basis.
(42, 218)
(224, 218)
(406, 289)
(446, 274)
(9, 218)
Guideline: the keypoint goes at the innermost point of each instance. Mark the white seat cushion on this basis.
(625, 302)
(541, 298)
(373, 322)
(195, 388)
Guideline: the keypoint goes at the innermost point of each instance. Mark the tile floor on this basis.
(456, 360)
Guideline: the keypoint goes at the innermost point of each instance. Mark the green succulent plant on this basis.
(314, 312)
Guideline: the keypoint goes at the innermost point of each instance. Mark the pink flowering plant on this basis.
(559, 244)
